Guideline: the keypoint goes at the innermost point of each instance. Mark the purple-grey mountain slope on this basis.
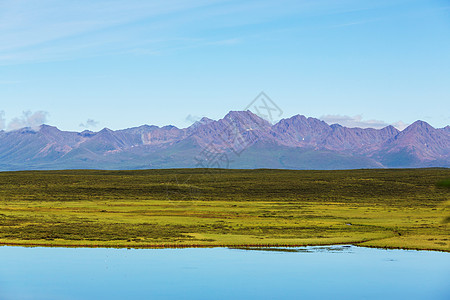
(240, 140)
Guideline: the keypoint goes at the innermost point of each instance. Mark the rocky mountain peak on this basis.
(284, 143)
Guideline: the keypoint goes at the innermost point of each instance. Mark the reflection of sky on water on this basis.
(321, 272)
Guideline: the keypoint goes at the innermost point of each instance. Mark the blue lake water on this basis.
(334, 272)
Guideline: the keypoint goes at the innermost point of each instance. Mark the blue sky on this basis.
(118, 64)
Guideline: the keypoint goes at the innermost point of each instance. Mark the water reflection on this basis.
(311, 249)
(321, 272)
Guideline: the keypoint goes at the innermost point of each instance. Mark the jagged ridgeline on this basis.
(247, 140)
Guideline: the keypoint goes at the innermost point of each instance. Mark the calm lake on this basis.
(332, 272)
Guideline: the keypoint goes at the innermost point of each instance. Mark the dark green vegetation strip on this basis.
(386, 208)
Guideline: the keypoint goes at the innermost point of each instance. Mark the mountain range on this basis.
(240, 140)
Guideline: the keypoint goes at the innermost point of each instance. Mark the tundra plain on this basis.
(386, 208)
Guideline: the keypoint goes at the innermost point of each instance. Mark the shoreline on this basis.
(200, 246)
(404, 209)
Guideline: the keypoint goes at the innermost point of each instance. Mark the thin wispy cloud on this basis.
(355, 23)
(358, 121)
(2, 120)
(47, 30)
(400, 125)
(43, 30)
(90, 123)
(191, 119)
(7, 82)
(226, 42)
(55, 20)
(28, 119)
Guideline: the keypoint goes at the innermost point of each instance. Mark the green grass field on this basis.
(196, 207)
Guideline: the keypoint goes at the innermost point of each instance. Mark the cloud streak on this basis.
(49, 30)
(7, 82)
(191, 119)
(358, 121)
(2, 120)
(28, 119)
(90, 123)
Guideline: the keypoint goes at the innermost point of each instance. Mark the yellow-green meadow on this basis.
(403, 208)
